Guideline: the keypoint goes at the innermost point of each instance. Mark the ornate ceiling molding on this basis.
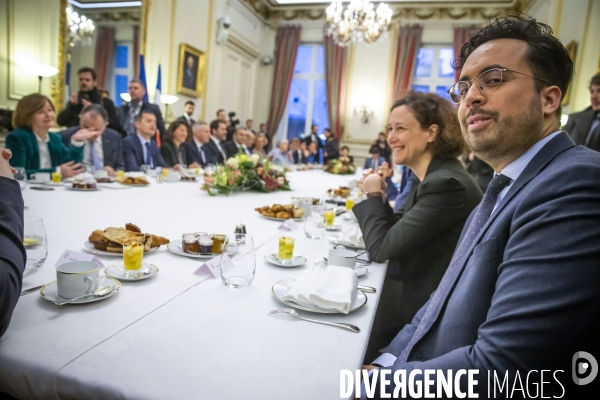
(115, 16)
(273, 14)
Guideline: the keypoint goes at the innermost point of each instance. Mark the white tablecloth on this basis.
(170, 336)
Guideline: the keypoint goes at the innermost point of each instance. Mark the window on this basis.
(307, 100)
(119, 76)
(434, 72)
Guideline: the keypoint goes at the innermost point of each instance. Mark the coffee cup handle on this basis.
(91, 281)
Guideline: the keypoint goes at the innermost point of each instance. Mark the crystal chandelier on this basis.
(360, 21)
(81, 29)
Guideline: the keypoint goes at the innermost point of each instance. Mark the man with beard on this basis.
(522, 293)
(88, 94)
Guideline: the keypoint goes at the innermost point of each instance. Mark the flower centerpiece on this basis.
(341, 166)
(243, 172)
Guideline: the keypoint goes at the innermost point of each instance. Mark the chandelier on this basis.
(360, 21)
(81, 29)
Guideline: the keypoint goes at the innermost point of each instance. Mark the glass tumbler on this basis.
(36, 244)
(238, 273)
(313, 225)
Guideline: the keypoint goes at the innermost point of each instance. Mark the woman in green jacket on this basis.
(36, 149)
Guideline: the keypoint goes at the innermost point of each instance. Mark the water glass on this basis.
(20, 174)
(35, 241)
(240, 272)
(313, 226)
(145, 168)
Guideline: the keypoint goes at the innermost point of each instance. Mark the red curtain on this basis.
(462, 36)
(409, 41)
(103, 53)
(335, 71)
(286, 48)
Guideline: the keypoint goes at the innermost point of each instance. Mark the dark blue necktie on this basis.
(149, 155)
(453, 272)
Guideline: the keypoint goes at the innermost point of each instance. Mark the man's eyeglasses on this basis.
(488, 82)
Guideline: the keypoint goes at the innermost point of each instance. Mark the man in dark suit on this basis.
(218, 133)
(522, 293)
(376, 160)
(12, 251)
(237, 143)
(297, 154)
(139, 149)
(313, 137)
(197, 150)
(129, 111)
(88, 94)
(103, 150)
(584, 126)
(188, 111)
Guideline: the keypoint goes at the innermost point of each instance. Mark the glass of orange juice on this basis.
(328, 217)
(132, 259)
(349, 203)
(286, 249)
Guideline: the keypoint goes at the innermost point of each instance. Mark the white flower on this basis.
(254, 158)
(233, 163)
(276, 168)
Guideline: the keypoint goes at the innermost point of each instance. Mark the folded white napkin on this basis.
(83, 176)
(353, 235)
(328, 287)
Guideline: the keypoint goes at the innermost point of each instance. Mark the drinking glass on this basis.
(286, 249)
(133, 256)
(145, 168)
(328, 217)
(349, 203)
(239, 272)
(36, 244)
(313, 226)
(209, 169)
(20, 174)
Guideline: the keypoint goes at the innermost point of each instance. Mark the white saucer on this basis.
(117, 271)
(296, 261)
(333, 228)
(82, 189)
(335, 238)
(280, 288)
(48, 291)
(358, 268)
(89, 247)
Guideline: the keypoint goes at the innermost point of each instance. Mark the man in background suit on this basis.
(128, 112)
(218, 133)
(188, 111)
(297, 154)
(102, 150)
(196, 150)
(140, 149)
(313, 137)
(376, 160)
(237, 143)
(584, 126)
(522, 292)
(12, 251)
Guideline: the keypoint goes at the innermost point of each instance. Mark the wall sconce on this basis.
(167, 100)
(41, 71)
(364, 113)
(126, 97)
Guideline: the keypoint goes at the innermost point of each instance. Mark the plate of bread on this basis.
(110, 241)
(281, 212)
(132, 180)
(342, 192)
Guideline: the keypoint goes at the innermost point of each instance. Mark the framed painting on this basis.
(190, 71)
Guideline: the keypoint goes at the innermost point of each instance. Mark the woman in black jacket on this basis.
(420, 238)
(173, 150)
(331, 149)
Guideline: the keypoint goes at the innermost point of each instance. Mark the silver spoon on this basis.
(100, 292)
(293, 312)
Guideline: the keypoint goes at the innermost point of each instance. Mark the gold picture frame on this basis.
(190, 71)
(572, 50)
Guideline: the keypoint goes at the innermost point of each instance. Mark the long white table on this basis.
(174, 336)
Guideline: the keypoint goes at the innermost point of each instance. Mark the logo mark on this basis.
(580, 367)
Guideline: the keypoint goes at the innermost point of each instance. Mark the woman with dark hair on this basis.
(331, 149)
(418, 240)
(172, 149)
(36, 149)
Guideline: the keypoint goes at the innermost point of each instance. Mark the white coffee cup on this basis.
(342, 258)
(100, 173)
(76, 278)
(41, 176)
(173, 176)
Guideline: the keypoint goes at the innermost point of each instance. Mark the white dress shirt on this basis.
(45, 161)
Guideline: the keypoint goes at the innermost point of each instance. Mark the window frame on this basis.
(434, 80)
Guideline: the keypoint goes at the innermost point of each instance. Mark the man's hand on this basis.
(70, 169)
(5, 169)
(85, 134)
(110, 170)
(74, 99)
(178, 167)
(194, 165)
(85, 103)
